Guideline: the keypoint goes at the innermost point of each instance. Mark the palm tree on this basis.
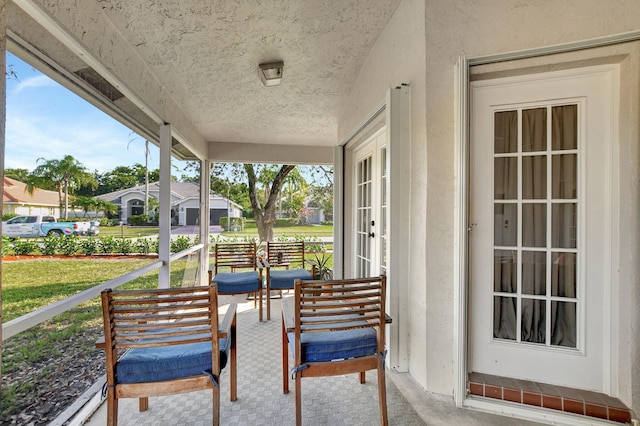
(66, 175)
(106, 207)
(87, 204)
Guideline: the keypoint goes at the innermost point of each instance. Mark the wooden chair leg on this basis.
(260, 305)
(382, 394)
(216, 405)
(298, 391)
(112, 408)
(363, 377)
(268, 302)
(285, 359)
(144, 403)
(233, 364)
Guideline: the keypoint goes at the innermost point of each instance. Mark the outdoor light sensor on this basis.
(271, 73)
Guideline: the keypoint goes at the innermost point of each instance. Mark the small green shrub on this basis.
(6, 245)
(143, 245)
(21, 247)
(89, 246)
(108, 244)
(125, 246)
(8, 216)
(50, 245)
(138, 220)
(70, 245)
(181, 243)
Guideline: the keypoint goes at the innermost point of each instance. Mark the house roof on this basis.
(15, 191)
(181, 190)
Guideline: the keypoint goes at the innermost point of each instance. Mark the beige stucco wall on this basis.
(398, 57)
(480, 28)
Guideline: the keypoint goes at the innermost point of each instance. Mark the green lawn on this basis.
(43, 354)
(285, 231)
(128, 231)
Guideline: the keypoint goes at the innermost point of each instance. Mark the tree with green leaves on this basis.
(264, 212)
(65, 175)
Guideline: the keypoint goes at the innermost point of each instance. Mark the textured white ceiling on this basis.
(206, 54)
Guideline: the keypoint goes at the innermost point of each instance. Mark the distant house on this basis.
(17, 200)
(185, 200)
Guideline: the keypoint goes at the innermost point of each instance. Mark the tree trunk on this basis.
(265, 216)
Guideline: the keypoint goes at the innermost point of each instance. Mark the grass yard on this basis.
(128, 231)
(38, 363)
(308, 231)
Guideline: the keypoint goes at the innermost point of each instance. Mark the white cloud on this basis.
(34, 82)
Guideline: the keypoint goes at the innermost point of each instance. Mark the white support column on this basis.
(399, 151)
(164, 221)
(338, 212)
(205, 206)
(3, 115)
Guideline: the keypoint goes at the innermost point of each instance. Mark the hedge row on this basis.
(72, 245)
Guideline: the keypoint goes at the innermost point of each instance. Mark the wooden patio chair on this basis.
(235, 256)
(166, 341)
(286, 264)
(335, 327)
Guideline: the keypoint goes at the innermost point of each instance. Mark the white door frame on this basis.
(462, 140)
(397, 120)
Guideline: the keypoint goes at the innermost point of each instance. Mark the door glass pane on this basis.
(506, 178)
(564, 122)
(506, 132)
(533, 328)
(563, 324)
(534, 272)
(505, 270)
(564, 176)
(534, 130)
(506, 224)
(534, 225)
(563, 225)
(563, 275)
(504, 317)
(534, 177)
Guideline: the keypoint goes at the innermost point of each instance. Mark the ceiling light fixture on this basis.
(271, 73)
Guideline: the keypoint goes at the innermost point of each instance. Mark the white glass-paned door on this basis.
(540, 212)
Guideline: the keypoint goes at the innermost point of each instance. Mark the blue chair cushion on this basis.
(280, 279)
(142, 365)
(237, 282)
(334, 345)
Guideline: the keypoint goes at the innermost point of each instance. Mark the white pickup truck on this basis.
(41, 226)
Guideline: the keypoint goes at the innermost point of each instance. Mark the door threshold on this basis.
(552, 397)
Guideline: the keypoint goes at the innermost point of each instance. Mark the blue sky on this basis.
(45, 120)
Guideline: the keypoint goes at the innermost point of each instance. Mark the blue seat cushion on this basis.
(142, 365)
(334, 345)
(237, 282)
(280, 279)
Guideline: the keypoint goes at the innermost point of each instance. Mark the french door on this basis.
(540, 231)
(370, 207)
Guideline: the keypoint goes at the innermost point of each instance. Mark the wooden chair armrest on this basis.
(224, 328)
(100, 343)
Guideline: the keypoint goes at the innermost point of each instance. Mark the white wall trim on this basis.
(460, 257)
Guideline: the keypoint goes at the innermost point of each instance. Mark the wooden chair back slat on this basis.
(235, 255)
(286, 253)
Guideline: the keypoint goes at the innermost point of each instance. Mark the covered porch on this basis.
(339, 400)
(380, 90)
